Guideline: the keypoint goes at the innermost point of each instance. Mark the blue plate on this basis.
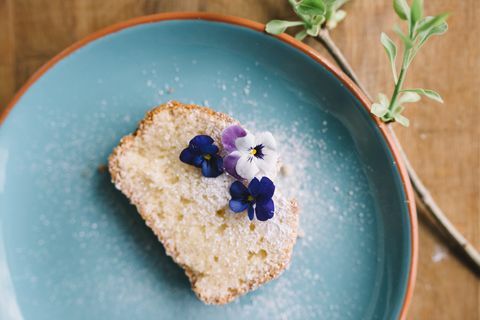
(71, 246)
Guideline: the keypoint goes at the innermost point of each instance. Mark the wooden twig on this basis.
(420, 190)
(337, 55)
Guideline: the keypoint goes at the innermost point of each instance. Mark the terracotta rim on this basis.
(287, 39)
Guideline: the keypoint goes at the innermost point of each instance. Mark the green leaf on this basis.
(427, 93)
(329, 10)
(402, 120)
(416, 12)
(406, 40)
(433, 22)
(391, 50)
(279, 26)
(317, 20)
(423, 36)
(402, 9)
(424, 20)
(301, 35)
(397, 110)
(313, 30)
(311, 7)
(332, 9)
(436, 30)
(379, 109)
(407, 97)
(382, 98)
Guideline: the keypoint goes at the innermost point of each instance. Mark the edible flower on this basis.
(249, 156)
(202, 153)
(256, 198)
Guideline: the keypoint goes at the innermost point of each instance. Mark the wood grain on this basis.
(443, 142)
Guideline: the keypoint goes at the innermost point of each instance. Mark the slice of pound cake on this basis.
(230, 234)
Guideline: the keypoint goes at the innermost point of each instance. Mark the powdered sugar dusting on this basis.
(336, 265)
(324, 221)
(319, 167)
(439, 254)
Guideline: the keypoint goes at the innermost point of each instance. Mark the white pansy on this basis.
(257, 156)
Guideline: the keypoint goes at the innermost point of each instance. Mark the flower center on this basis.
(250, 198)
(257, 151)
(207, 156)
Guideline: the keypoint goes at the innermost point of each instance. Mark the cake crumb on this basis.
(286, 169)
(102, 168)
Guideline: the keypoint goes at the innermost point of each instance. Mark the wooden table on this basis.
(443, 141)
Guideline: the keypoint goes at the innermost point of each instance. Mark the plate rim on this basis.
(289, 40)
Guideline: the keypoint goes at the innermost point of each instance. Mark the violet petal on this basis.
(267, 189)
(254, 187)
(238, 205)
(238, 191)
(191, 157)
(265, 210)
(229, 135)
(200, 140)
(250, 212)
(230, 163)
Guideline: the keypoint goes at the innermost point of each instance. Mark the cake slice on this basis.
(223, 253)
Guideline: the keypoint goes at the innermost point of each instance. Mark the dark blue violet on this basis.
(202, 153)
(256, 198)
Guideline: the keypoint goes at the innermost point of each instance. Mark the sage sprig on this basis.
(313, 15)
(317, 14)
(419, 30)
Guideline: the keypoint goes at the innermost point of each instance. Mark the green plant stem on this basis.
(399, 83)
(398, 86)
(422, 193)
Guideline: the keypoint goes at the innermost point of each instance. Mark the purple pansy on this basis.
(249, 156)
(229, 135)
(256, 198)
(202, 153)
